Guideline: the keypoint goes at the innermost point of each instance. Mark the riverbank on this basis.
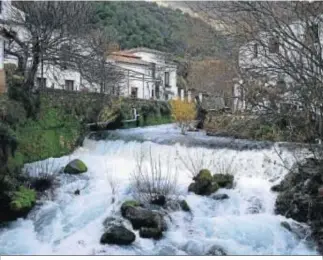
(57, 129)
(253, 127)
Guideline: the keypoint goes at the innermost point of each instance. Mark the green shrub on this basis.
(18, 91)
(8, 142)
(12, 112)
(22, 199)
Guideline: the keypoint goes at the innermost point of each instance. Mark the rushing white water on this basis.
(244, 224)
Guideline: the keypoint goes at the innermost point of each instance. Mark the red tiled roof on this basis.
(125, 54)
(125, 59)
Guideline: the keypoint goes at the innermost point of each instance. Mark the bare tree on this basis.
(280, 59)
(37, 31)
(101, 42)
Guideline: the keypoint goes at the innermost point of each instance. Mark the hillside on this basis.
(149, 25)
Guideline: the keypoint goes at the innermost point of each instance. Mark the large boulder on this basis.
(299, 196)
(224, 180)
(140, 217)
(204, 175)
(216, 250)
(117, 235)
(146, 232)
(127, 204)
(184, 206)
(75, 167)
(159, 200)
(176, 205)
(204, 183)
(150, 223)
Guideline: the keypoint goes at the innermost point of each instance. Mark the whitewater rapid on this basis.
(63, 223)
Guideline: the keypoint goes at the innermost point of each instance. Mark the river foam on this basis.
(245, 224)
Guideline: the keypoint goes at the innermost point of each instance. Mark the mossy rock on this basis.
(147, 232)
(184, 206)
(75, 167)
(211, 189)
(203, 188)
(118, 235)
(203, 175)
(204, 183)
(23, 199)
(224, 180)
(129, 203)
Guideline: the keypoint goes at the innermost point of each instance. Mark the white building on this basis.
(147, 73)
(269, 57)
(5, 14)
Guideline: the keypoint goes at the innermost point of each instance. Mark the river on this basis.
(245, 224)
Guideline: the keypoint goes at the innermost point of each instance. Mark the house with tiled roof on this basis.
(148, 74)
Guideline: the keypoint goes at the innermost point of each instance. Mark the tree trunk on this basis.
(29, 82)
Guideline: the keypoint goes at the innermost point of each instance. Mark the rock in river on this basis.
(118, 235)
(75, 167)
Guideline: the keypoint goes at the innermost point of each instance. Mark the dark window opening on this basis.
(0, 7)
(255, 50)
(167, 79)
(273, 45)
(157, 92)
(152, 93)
(134, 92)
(69, 85)
(41, 82)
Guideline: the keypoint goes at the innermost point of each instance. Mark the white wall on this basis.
(142, 84)
(55, 78)
(161, 68)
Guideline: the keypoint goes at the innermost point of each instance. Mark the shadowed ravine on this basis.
(244, 224)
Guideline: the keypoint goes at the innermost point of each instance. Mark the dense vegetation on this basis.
(144, 24)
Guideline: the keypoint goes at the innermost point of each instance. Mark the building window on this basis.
(312, 34)
(152, 93)
(166, 78)
(134, 92)
(157, 91)
(69, 85)
(273, 45)
(41, 82)
(166, 97)
(0, 7)
(255, 50)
